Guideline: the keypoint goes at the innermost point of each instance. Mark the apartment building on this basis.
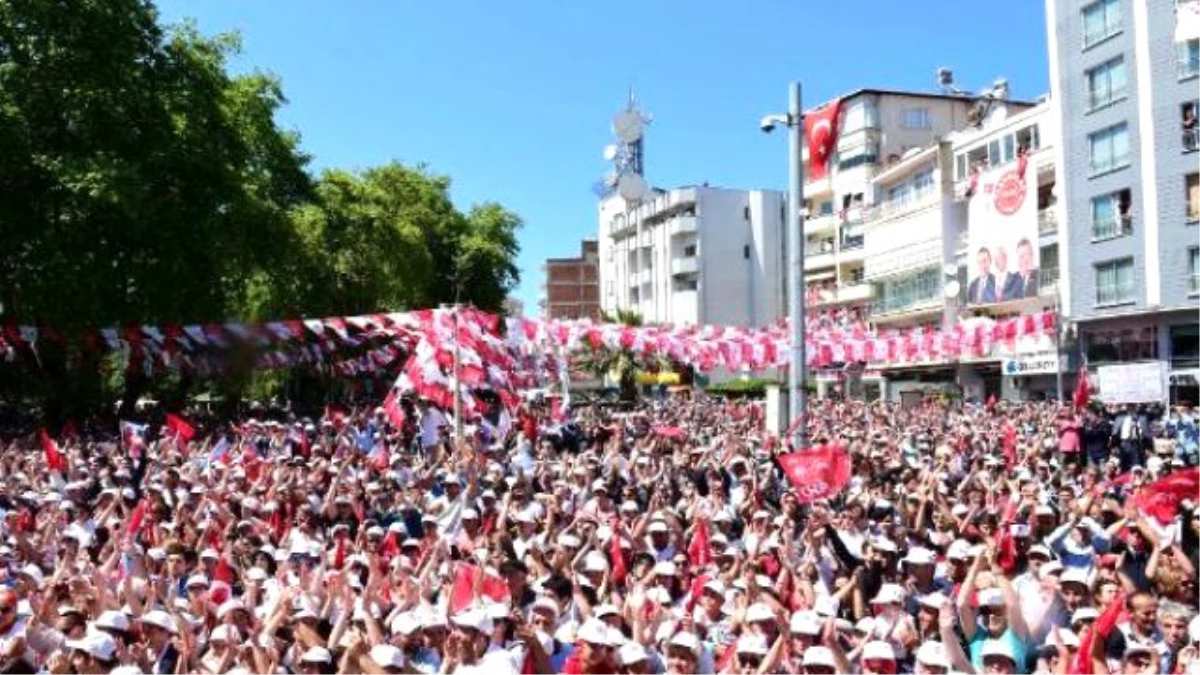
(1125, 92)
(571, 289)
(920, 260)
(695, 255)
(876, 130)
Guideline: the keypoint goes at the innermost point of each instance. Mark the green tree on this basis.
(621, 362)
(139, 181)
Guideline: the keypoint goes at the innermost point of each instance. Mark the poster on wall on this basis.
(1002, 232)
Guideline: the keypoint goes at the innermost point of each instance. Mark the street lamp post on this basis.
(798, 401)
(797, 395)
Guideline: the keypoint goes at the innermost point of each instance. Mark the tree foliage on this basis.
(621, 363)
(142, 182)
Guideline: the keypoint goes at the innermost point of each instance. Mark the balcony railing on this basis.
(813, 249)
(1047, 222)
(1048, 281)
(852, 242)
(903, 303)
(1116, 226)
(1191, 139)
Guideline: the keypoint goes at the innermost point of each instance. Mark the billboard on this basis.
(1144, 382)
(1002, 232)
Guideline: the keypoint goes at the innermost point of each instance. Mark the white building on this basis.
(695, 255)
(916, 231)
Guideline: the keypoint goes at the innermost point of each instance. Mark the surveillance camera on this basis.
(767, 124)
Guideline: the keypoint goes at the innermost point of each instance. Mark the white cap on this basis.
(405, 623)
(1050, 568)
(1194, 629)
(316, 655)
(933, 654)
(632, 652)
(229, 606)
(159, 618)
(1074, 575)
(197, 580)
(33, 572)
(805, 622)
(959, 549)
(665, 569)
(603, 611)
(112, 620)
(752, 644)
(687, 641)
(919, 556)
(889, 594)
(224, 633)
(100, 646)
(759, 612)
(934, 600)
(476, 619)
(1085, 614)
(657, 526)
(997, 648)
(818, 655)
(593, 631)
(546, 602)
(1068, 637)
(388, 656)
(991, 597)
(1039, 549)
(879, 650)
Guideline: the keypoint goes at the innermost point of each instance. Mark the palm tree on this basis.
(624, 363)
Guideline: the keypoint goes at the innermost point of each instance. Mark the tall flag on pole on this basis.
(820, 133)
(54, 457)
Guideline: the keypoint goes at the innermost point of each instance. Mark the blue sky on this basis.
(513, 99)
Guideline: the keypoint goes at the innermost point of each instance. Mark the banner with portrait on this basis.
(1002, 231)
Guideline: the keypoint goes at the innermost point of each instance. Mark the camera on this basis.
(767, 124)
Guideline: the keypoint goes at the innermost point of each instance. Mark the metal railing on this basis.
(1117, 226)
(1191, 139)
(1047, 221)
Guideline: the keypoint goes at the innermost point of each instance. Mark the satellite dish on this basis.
(952, 288)
(627, 126)
(632, 187)
(610, 152)
(950, 270)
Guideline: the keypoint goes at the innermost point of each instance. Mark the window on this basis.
(1187, 125)
(1049, 274)
(1010, 151)
(1101, 20)
(1194, 270)
(746, 213)
(1185, 344)
(746, 251)
(923, 183)
(994, 153)
(827, 208)
(1123, 344)
(689, 251)
(1192, 189)
(960, 167)
(900, 195)
(908, 291)
(1028, 138)
(1110, 215)
(1106, 83)
(1114, 282)
(1187, 55)
(1108, 149)
(915, 118)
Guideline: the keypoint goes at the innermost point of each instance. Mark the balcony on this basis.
(820, 224)
(1047, 222)
(684, 266)
(844, 294)
(622, 227)
(905, 305)
(817, 256)
(682, 225)
(1048, 281)
(647, 240)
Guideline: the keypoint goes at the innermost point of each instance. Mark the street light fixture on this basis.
(797, 396)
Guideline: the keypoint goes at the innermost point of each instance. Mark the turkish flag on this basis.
(180, 428)
(1083, 390)
(1162, 497)
(462, 595)
(820, 131)
(700, 550)
(393, 410)
(54, 458)
(1099, 630)
(817, 473)
(617, 557)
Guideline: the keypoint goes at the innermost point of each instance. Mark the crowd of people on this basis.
(994, 538)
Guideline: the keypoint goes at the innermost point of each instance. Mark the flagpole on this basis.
(458, 425)
(1058, 329)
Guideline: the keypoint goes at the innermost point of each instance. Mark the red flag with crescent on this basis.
(817, 473)
(820, 132)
